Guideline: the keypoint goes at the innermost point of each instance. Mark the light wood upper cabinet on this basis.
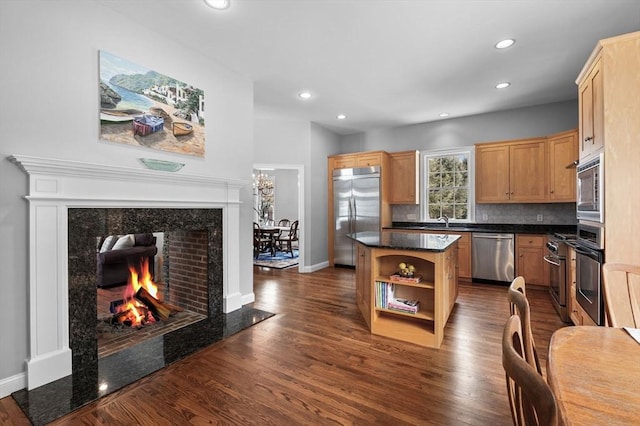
(492, 173)
(405, 178)
(345, 161)
(369, 159)
(527, 170)
(527, 173)
(511, 172)
(562, 153)
(591, 117)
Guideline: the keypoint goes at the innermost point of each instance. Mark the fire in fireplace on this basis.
(141, 304)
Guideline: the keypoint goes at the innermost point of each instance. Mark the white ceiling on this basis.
(387, 63)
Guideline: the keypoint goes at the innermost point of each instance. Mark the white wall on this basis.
(49, 108)
(286, 141)
(286, 194)
(465, 131)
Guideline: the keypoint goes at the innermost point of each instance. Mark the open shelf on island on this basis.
(436, 293)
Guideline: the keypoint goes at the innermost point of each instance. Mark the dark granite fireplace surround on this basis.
(91, 375)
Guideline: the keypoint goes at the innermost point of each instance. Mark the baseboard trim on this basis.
(13, 384)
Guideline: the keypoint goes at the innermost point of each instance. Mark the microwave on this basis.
(590, 190)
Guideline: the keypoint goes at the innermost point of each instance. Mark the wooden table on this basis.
(272, 232)
(595, 375)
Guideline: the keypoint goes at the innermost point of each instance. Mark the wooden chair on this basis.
(621, 289)
(282, 234)
(286, 241)
(260, 242)
(519, 305)
(530, 397)
(284, 222)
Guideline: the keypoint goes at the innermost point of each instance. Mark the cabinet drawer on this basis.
(524, 240)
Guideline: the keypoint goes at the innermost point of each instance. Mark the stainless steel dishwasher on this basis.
(492, 256)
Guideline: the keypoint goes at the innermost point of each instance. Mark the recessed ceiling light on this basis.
(505, 43)
(503, 85)
(218, 4)
(341, 117)
(444, 114)
(304, 95)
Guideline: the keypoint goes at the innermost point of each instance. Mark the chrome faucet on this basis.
(446, 220)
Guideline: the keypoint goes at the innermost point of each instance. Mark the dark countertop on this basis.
(405, 240)
(485, 227)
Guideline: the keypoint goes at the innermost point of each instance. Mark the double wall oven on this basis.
(588, 243)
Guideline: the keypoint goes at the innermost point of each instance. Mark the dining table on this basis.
(271, 233)
(594, 373)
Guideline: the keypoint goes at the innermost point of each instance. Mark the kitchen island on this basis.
(434, 284)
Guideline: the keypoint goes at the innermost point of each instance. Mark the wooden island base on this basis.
(436, 292)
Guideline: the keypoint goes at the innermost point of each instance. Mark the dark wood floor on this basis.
(316, 363)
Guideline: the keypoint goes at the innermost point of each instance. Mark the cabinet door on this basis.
(530, 251)
(562, 151)
(342, 162)
(464, 259)
(363, 282)
(527, 177)
(369, 159)
(404, 178)
(492, 174)
(591, 104)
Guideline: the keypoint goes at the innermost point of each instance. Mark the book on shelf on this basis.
(385, 299)
(404, 305)
(398, 277)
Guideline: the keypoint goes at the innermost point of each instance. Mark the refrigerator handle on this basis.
(352, 211)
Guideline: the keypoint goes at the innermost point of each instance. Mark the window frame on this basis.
(424, 177)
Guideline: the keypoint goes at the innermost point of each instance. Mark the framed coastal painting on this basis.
(143, 107)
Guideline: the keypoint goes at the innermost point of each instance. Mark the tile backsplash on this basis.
(550, 213)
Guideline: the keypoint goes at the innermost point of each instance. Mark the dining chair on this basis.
(621, 288)
(286, 241)
(519, 305)
(282, 233)
(260, 242)
(530, 397)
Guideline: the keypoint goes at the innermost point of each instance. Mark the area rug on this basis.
(281, 260)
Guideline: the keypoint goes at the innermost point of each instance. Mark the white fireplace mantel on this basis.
(57, 185)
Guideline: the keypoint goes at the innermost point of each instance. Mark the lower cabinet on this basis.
(363, 282)
(530, 251)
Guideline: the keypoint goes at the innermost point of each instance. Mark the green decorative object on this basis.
(161, 165)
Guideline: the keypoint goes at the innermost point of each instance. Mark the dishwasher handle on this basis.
(493, 237)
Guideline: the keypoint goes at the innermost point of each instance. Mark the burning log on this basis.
(156, 306)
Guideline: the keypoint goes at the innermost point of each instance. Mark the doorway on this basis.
(290, 179)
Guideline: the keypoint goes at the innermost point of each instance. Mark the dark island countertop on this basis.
(406, 240)
(484, 227)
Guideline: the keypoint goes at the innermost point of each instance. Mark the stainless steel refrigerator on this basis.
(356, 208)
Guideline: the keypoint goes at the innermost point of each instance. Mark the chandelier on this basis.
(264, 184)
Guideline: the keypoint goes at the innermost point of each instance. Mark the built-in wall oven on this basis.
(590, 190)
(589, 248)
(559, 273)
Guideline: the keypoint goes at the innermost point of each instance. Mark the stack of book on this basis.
(385, 298)
(404, 305)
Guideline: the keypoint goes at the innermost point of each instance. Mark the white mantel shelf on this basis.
(55, 186)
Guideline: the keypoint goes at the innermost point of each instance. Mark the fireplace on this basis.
(192, 271)
(70, 203)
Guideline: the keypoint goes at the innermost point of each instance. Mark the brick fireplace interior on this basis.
(181, 278)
